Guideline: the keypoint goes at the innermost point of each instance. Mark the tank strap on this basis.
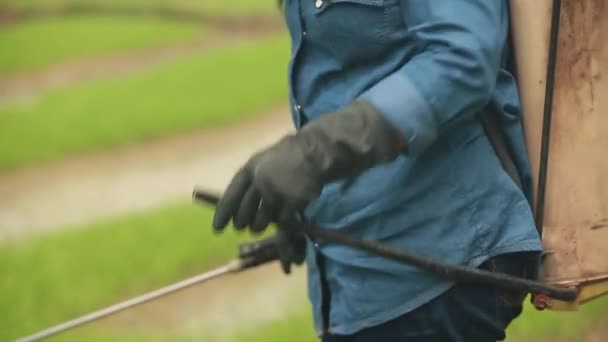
(498, 142)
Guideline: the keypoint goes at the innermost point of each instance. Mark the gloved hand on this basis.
(281, 180)
(291, 246)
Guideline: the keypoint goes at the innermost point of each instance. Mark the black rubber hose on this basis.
(547, 116)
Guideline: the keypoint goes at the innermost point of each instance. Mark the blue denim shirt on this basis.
(430, 67)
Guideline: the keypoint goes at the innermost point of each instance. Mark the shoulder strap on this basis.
(497, 139)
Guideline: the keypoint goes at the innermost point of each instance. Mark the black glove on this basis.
(291, 246)
(281, 180)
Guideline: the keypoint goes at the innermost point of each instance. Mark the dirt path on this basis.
(24, 86)
(87, 188)
(220, 308)
(11, 16)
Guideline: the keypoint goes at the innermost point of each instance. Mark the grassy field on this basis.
(293, 327)
(560, 326)
(203, 90)
(57, 277)
(32, 45)
(212, 7)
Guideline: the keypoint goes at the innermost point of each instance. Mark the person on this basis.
(387, 97)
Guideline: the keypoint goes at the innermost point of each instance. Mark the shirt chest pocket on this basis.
(352, 30)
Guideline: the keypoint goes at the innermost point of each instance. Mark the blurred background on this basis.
(111, 111)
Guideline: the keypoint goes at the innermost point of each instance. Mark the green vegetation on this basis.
(213, 7)
(560, 326)
(32, 45)
(203, 90)
(90, 335)
(60, 276)
(296, 327)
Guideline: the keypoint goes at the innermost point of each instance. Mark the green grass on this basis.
(91, 335)
(60, 276)
(216, 7)
(200, 91)
(32, 45)
(562, 326)
(296, 327)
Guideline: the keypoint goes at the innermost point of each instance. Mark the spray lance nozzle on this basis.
(259, 252)
(250, 254)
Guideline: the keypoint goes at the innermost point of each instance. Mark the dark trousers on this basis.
(465, 313)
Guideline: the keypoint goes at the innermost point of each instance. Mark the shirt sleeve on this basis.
(453, 75)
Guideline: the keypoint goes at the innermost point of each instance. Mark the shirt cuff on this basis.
(406, 110)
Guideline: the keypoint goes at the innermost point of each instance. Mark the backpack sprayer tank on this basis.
(561, 50)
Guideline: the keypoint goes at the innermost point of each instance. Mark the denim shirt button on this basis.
(318, 3)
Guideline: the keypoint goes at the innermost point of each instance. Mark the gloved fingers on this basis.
(262, 218)
(285, 266)
(271, 203)
(230, 201)
(285, 256)
(299, 248)
(291, 247)
(285, 250)
(248, 208)
(286, 213)
(296, 240)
